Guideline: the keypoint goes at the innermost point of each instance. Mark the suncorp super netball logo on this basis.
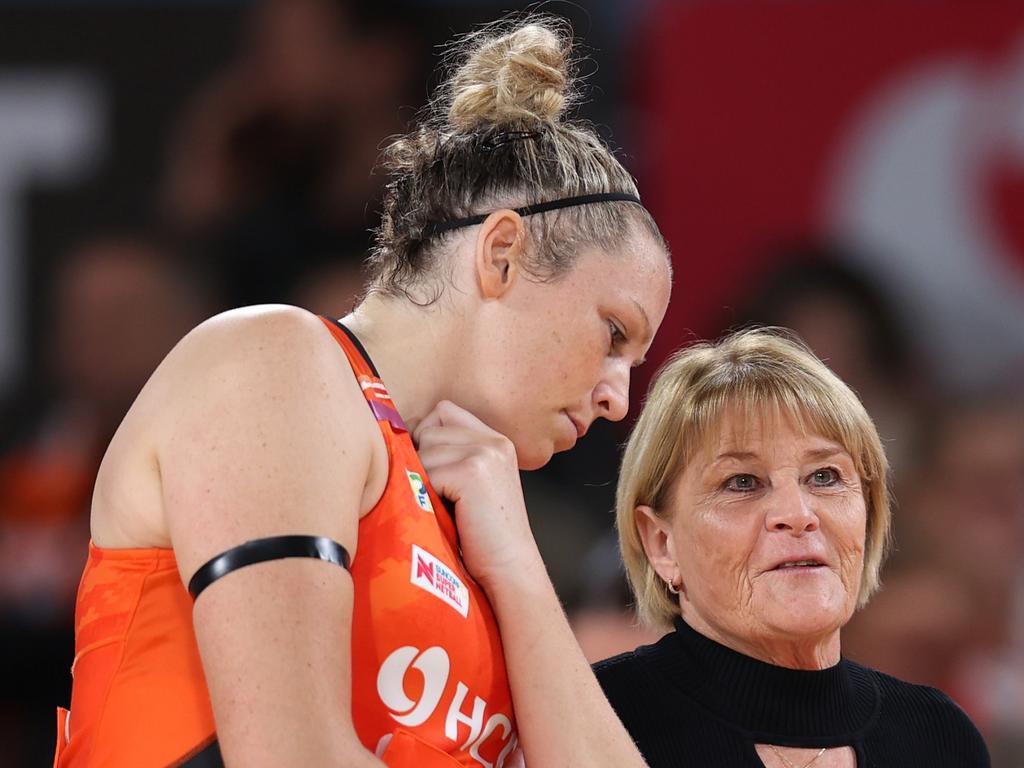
(430, 574)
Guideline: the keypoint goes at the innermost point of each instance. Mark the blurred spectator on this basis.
(571, 503)
(332, 288)
(962, 502)
(964, 508)
(273, 162)
(952, 611)
(119, 303)
(605, 623)
(847, 320)
(915, 628)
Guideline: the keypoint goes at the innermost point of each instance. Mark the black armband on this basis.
(261, 550)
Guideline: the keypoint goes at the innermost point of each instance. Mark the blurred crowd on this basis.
(266, 195)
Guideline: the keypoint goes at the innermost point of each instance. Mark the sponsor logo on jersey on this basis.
(471, 725)
(419, 491)
(430, 574)
(376, 388)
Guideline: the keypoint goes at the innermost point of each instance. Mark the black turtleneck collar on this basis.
(775, 705)
(687, 700)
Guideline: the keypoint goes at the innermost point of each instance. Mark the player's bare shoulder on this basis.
(249, 388)
(276, 350)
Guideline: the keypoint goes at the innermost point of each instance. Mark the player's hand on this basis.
(475, 467)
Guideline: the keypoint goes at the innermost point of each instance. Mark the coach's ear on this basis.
(658, 543)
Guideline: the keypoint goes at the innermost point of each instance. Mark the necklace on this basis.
(810, 762)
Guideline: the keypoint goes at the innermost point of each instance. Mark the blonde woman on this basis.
(753, 518)
(290, 471)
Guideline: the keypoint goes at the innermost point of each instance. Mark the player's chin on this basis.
(535, 454)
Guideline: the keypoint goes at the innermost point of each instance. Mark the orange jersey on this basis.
(429, 686)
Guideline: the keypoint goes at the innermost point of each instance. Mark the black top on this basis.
(689, 701)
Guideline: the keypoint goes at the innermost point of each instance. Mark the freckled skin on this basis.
(545, 348)
(788, 496)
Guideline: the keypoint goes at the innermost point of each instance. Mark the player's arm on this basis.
(264, 434)
(562, 714)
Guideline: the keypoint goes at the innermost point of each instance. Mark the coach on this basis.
(753, 515)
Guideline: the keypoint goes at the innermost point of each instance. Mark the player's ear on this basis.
(500, 247)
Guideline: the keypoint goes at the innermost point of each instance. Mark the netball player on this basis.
(274, 578)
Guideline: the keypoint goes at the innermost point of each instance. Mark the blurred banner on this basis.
(895, 128)
(51, 133)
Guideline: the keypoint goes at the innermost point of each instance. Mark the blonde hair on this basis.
(757, 371)
(496, 136)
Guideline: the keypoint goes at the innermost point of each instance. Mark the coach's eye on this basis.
(742, 483)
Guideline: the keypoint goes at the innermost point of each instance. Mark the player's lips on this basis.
(581, 427)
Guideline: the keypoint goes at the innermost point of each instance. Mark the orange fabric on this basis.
(406, 749)
(62, 717)
(139, 695)
(426, 654)
(429, 687)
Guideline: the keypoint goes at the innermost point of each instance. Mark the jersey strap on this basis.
(373, 388)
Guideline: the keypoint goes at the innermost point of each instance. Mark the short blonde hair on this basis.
(756, 370)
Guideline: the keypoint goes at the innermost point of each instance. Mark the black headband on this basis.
(566, 202)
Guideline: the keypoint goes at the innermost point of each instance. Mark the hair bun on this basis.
(514, 78)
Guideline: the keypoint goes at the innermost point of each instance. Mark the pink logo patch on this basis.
(433, 576)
